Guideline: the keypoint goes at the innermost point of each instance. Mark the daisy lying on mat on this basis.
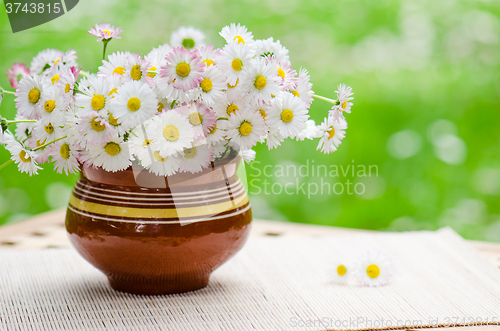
(177, 109)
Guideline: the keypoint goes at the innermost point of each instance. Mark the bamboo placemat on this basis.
(273, 284)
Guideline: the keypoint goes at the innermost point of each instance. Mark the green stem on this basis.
(84, 73)
(51, 142)
(105, 41)
(22, 121)
(5, 164)
(8, 92)
(334, 102)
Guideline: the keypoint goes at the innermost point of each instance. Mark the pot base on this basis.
(144, 287)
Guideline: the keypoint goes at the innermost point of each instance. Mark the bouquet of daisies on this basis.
(177, 109)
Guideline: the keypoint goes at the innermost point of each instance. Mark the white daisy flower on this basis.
(70, 128)
(113, 156)
(234, 60)
(171, 133)
(234, 92)
(245, 128)
(140, 142)
(115, 65)
(284, 70)
(159, 165)
(332, 132)
(94, 95)
(23, 157)
(200, 117)
(183, 68)
(248, 155)
(45, 132)
(187, 37)
(237, 33)
(29, 97)
(303, 89)
(94, 129)
(209, 55)
(105, 31)
(216, 133)
(344, 93)
(136, 69)
(261, 82)
(195, 159)
(269, 47)
(156, 59)
(65, 157)
(45, 60)
(262, 108)
(134, 104)
(67, 80)
(289, 115)
(53, 105)
(211, 86)
(340, 271)
(225, 107)
(374, 269)
(310, 132)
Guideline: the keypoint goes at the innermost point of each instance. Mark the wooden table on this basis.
(47, 231)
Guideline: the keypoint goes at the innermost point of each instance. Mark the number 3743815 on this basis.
(32, 8)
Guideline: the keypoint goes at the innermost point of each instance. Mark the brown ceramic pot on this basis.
(157, 235)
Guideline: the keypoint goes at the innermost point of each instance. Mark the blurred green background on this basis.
(426, 111)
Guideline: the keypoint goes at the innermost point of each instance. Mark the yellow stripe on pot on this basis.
(117, 211)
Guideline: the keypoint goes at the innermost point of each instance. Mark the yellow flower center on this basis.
(331, 132)
(40, 143)
(160, 107)
(49, 106)
(133, 104)
(212, 130)
(189, 153)
(67, 88)
(49, 128)
(237, 64)
(341, 270)
(260, 82)
(119, 70)
(171, 132)
(96, 124)
(112, 148)
(56, 61)
(113, 121)
(281, 73)
(263, 114)
(152, 74)
(373, 271)
(344, 104)
(54, 79)
(231, 109)
(208, 62)
(64, 151)
(136, 72)
(183, 69)
(158, 157)
(287, 115)
(34, 95)
(206, 85)
(295, 93)
(147, 142)
(195, 119)
(22, 156)
(240, 39)
(245, 128)
(233, 86)
(115, 90)
(97, 102)
(107, 32)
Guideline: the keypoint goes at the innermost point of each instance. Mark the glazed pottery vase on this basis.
(157, 235)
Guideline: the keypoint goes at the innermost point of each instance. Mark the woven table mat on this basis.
(274, 283)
